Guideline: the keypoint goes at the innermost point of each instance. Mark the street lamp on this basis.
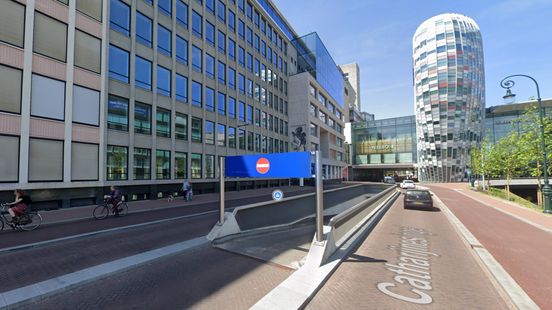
(507, 83)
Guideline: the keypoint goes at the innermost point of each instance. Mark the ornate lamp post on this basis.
(507, 83)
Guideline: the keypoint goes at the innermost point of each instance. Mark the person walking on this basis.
(187, 190)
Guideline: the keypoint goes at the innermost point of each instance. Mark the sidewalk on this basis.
(541, 220)
(85, 212)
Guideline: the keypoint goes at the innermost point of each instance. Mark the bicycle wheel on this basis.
(124, 209)
(100, 212)
(33, 222)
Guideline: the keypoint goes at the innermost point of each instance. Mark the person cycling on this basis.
(114, 198)
(21, 203)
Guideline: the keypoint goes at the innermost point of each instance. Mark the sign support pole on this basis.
(221, 198)
(319, 199)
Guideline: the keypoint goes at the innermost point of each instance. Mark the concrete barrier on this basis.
(287, 211)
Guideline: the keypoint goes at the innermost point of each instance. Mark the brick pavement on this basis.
(202, 278)
(523, 250)
(455, 278)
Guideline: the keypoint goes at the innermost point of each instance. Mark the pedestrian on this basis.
(21, 203)
(187, 190)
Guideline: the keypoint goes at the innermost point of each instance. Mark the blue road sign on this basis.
(277, 195)
(277, 165)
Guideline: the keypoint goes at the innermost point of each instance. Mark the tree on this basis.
(479, 159)
(530, 142)
(506, 159)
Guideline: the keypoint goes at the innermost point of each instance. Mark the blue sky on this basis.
(517, 38)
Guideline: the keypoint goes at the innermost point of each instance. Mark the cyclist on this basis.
(21, 203)
(114, 198)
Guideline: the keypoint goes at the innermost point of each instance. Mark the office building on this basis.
(139, 93)
(500, 120)
(384, 147)
(449, 83)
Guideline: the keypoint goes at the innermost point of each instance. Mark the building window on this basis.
(231, 78)
(143, 73)
(313, 130)
(45, 160)
(181, 50)
(249, 36)
(10, 158)
(209, 132)
(221, 135)
(163, 81)
(232, 20)
(221, 42)
(241, 28)
(209, 166)
(119, 17)
(197, 134)
(221, 103)
(221, 11)
(241, 111)
(87, 51)
(142, 118)
(86, 105)
(249, 88)
(163, 164)
(181, 84)
(241, 137)
(231, 49)
(231, 107)
(196, 94)
(209, 99)
(197, 61)
(47, 97)
(117, 163)
(257, 142)
(196, 166)
(197, 24)
(163, 123)
(118, 64)
(11, 80)
(210, 33)
(221, 72)
(241, 83)
(249, 114)
(232, 137)
(12, 23)
(241, 56)
(144, 27)
(181, 127)
(117, 113)
(181, 165)
(250, 62)
(210, 6)
(164, 40)
(182, 13)
(142, 164)
(250, 141)
(210, 65)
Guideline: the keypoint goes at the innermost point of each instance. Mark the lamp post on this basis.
(507, 83)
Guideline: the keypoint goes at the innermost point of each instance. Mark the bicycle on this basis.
(31, 220)
(102, 211)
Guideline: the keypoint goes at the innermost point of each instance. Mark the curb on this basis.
(516, 297)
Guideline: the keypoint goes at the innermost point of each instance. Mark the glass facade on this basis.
(313, 57)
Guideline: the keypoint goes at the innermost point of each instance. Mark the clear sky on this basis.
(517, 38)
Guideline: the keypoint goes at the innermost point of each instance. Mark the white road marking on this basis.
(83, 276)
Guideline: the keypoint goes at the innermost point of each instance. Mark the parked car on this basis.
(389, 179)
(408, 184)
(418, 198)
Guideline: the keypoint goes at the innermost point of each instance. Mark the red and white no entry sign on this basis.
(263, 165)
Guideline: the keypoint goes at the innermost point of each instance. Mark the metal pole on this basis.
(319, 199)
(221, 175)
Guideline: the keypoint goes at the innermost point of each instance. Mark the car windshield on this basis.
(408, 181)
(417, 195)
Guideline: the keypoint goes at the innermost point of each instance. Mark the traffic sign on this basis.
(276, 165)
(262, 165)
(277, 195)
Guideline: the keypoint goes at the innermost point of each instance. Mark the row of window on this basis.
(117, 162)
(118, 119)
(120, 21)
(324, 118)
(49, 36)
(325, 102)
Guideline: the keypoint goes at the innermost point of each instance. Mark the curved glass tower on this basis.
(449, 90)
